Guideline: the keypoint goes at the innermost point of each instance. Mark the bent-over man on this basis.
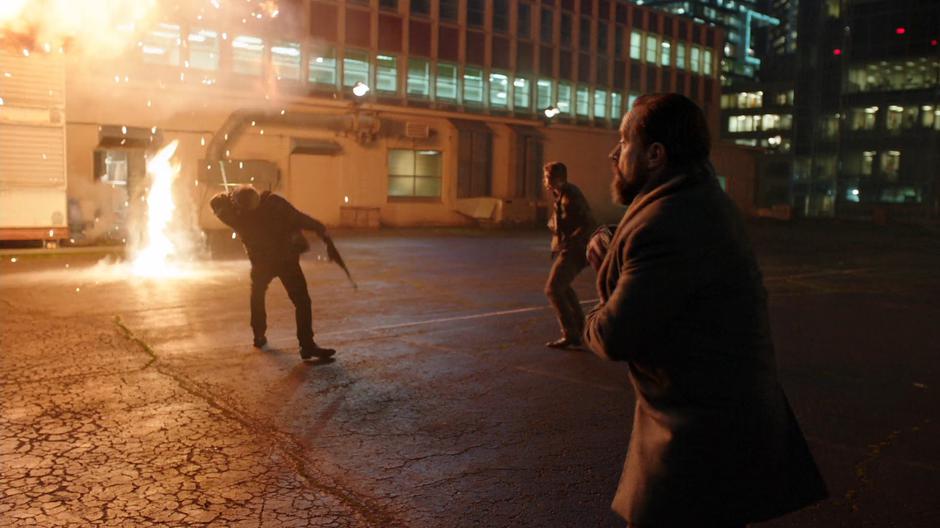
(571, 224)
(271, 230)
(714, 441)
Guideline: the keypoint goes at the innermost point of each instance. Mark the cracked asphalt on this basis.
(142, 402)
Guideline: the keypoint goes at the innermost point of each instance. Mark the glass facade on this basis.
(499, 90)
(322, 67)
(419, 78)
(204, 49)
(447, 84)
(473, 86)
(545, 96)
(285, 59)
(247, 55)
(521, 94)
(386, 74)
(356, 68)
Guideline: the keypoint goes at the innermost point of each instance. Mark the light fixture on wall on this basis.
(551, 112)
(360, 89)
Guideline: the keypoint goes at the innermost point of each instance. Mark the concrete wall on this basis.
(357, 176)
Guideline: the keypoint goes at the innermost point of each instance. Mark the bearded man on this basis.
(714, 441)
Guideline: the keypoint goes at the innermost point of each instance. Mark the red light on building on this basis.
(837, 51)
(933, 42)
(900, 31)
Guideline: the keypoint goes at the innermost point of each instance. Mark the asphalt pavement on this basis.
(127, 401)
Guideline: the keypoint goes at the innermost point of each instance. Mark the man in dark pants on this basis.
(270, 229)
(714, 441)
(571, 224)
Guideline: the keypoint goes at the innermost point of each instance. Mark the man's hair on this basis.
(246, 197)
(556, 170)
(676, 122)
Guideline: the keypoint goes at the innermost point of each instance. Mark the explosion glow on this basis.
(154, 258)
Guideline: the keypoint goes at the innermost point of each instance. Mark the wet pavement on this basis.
(142, 402)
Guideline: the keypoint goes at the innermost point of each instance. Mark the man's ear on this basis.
(656, 156)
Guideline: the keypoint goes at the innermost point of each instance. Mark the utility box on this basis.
(33, 201)
(360, 217)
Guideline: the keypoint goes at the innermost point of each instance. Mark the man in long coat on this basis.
(714, 442)
(270, 229)
(571, 224)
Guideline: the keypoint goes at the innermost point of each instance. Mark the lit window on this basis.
(386, 74)
(893, 117)
(651, 47)
(680, 56)
(631, 100)
(927, 116)
(664, 55)
(499, 90)
(600, 104)
(322, 67)
(544, 94)
(521, 94)
(707, 62)
(204, 50)
(863, 118)
(446, 81)
(355, 68)
(473, 85)
(890, 164)
(582, 103)
(696, 65)
(285, 59)
(414, 173)
(616, 100)
(868, 160)
(419, 79)
(247, 55)
(161, 45)
(564, 98)
(636, 43)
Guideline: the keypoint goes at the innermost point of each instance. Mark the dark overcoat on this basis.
(271, 233)
(714, 440)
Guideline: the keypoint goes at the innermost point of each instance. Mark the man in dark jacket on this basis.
(270, 229)
(714, 441)
(571, 224)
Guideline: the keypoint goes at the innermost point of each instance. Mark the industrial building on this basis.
(398, 113)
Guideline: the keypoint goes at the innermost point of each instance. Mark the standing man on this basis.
(714, 442)
(571, 225)
(270, 229)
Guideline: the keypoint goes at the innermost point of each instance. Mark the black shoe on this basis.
(564, 342)
(260, 342)
(313, 350)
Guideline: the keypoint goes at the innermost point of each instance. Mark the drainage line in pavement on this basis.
(278, 439)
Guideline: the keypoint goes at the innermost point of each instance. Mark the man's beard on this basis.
(624, 188)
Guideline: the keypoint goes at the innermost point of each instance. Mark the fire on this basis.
(154, 259)
(94, 26)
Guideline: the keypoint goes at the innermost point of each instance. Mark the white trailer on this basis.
(33, 201)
